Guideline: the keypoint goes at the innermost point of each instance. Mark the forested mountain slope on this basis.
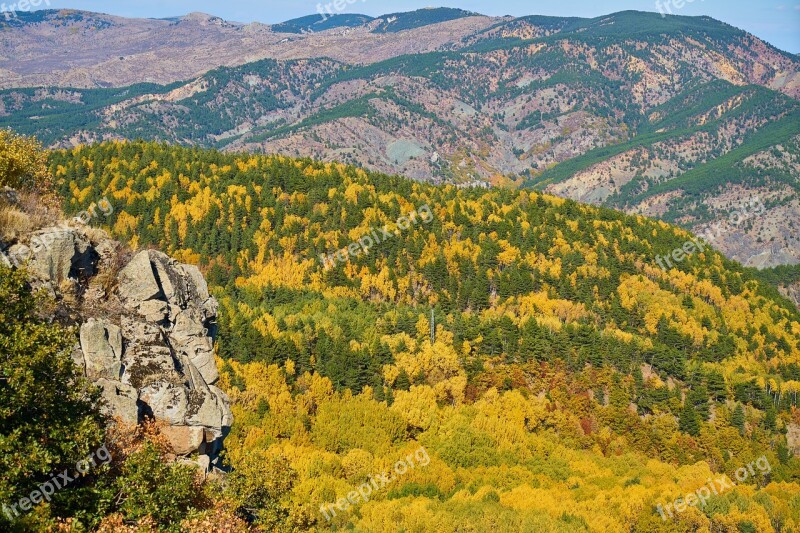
(680, 118)
(567, 383)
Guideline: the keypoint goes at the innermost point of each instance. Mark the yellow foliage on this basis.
(440, 364)
(416, 406)
(23, 163)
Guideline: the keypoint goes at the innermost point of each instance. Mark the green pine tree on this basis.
(738, 418)
(688, 421)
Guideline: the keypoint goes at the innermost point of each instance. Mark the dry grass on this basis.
(43, 209)
(110, 267)
(23, 212)
(13, 223)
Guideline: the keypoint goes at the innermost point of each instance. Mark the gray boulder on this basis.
(52, 253)
(59, 252)
(153, 310)
(160, 360)
(101, 344)
(190, 338)
(19, 254)
(166, 401)
(173, 283)
(137, 281)
(200, 351)
(196, 280)
(222, 398)
(147, 364)
(120, 400)
(205, 409)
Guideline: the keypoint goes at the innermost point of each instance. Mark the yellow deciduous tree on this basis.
(23, 163)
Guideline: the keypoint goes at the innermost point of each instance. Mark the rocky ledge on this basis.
(147, 331)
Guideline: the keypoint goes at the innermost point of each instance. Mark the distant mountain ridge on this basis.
(397, 22)
(679, 118)
(98, 50)
(390, 23)
(321, 23)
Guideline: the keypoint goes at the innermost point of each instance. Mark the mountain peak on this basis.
(202, 18)
(396, 22)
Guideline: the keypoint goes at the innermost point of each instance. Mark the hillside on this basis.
(397, 22)
(567, 382)
(685, 119)
(786, 278)
(95, 50)
(312, 23)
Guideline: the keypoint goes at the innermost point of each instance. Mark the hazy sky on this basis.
(777, 21)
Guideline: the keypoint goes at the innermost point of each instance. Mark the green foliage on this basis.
(688, 421)
(356, 423)
(48, 415)
(427, 490)
(259, 487)
(779, 275)
(468, 448)
(147, 486)
(738, 418)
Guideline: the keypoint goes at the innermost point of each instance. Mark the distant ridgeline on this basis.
(588, 109)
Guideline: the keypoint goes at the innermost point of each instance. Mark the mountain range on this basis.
(686, 119)
(345, 273)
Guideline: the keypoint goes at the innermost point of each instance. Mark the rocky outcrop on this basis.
(168, 355)
(792, 292)
(149, 343)
(55, 254)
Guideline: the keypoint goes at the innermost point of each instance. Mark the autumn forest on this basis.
(559, 379)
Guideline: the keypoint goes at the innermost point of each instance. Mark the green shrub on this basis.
(48, 415)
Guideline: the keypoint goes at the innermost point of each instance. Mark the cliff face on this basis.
(146, 330)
